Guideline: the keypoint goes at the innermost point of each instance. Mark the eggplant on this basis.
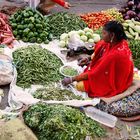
(138, 15)
(126, 17)
(131, 13)
(138, 6)
(130, 3)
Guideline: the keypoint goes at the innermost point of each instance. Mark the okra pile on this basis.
(59, 122)
(36, 65)
(63, 22)
(55, 93)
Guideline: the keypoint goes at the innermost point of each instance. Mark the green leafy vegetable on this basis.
(55, 93)
(135, 48)
(69, 71)
(59, 122)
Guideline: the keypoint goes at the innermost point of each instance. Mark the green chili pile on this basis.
(55, 93)
(36, 65)
(59, 122)
(63, 22)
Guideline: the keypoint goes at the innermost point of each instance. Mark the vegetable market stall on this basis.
(42, 60)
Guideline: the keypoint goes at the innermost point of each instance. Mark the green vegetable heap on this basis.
(36, 66)
(29, 25)
(69, 71)
(59, 122)
(135, 48)
(63, 23)
(55, 93)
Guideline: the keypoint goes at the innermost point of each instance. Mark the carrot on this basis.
(7, 40)
(2, 21)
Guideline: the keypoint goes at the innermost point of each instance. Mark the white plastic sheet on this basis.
(19, 96)
(6, 71)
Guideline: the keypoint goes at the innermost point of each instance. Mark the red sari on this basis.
(111, 70)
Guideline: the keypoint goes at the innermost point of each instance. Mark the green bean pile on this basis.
(36, 65)
(59, 122)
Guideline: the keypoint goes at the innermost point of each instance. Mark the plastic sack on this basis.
(6, 70)
(75, 42)
(34, 3)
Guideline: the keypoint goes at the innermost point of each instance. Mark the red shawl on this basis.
(111, 70)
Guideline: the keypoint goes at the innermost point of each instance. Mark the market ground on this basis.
(78, 6)
(84, 6)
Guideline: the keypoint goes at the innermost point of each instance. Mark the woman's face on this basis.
(106, 36)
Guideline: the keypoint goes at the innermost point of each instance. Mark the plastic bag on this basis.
(34, 3)
(75, 42)
(6, 70)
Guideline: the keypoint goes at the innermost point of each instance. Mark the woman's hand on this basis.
(66, 81)
(67, 5)
(83, 61)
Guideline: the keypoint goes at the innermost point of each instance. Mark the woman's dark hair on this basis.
(116, 28)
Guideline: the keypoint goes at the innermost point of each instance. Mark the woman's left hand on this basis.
(66, 81)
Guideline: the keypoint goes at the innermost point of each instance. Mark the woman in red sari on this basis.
(110, 71)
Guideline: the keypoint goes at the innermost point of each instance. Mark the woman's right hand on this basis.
(83, 61)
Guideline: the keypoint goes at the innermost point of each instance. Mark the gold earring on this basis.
(111, 40)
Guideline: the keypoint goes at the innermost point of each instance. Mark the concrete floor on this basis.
(78, 6)
(85, 6)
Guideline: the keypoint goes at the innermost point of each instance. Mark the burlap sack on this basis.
(16, 130)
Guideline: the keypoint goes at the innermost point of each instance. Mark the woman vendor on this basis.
(110, 71)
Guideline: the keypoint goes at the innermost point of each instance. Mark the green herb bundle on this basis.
(55, 93)
(59, 122)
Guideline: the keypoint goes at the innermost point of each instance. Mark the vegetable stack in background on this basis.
(6, 35)
(132, 29)
(86, 36)
(62, 22)
(135, 48)
(114, 12)
(30, 26)
(131, 10)
(96, 20)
